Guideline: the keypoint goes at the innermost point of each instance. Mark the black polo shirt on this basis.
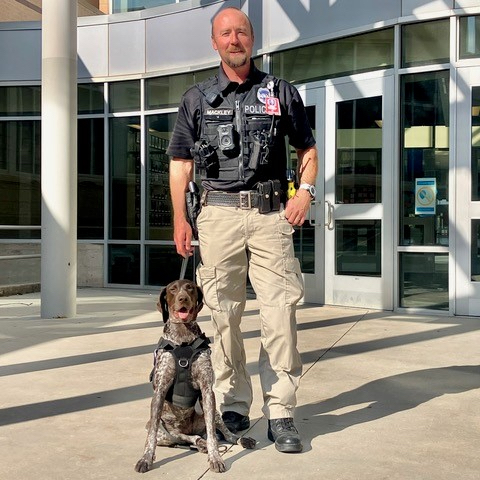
(293, 120)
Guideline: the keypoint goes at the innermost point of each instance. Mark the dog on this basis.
(183, 352)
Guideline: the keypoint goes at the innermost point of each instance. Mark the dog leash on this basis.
(183, 268)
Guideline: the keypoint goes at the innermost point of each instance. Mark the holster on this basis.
(270, 194)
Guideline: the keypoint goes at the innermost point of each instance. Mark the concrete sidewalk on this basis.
(383, 396)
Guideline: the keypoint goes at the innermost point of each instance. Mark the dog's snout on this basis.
(184, 295)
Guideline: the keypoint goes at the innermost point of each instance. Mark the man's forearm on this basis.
(181, 173)
(307, 165)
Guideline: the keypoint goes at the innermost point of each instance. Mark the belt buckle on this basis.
(245, 199)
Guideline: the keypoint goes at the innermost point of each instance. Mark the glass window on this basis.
(469, 37)
(304, 238)
(345, 56)
(204, 74)
(475, 144)
(163, 264)
(124, 264)
(90, 98)
(358, 177)
(125, 178)
(120, 6)
(124, 96)
(166, 91)
(426, 43)
(424, 280)
(16, 101)
(358, 249)
(475, 250)
(425, 159)
(159, 217)
(20, 200)
(90, 178)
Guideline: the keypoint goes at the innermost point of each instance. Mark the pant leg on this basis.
(276, 277)
(222, 275)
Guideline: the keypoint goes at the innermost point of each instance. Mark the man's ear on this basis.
(214, 44)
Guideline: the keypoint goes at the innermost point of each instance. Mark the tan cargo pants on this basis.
(234, 242)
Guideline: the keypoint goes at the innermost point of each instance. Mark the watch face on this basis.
(309, 188)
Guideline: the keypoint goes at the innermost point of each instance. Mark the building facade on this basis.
(392, 89)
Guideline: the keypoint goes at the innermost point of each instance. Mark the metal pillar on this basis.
(59, 159)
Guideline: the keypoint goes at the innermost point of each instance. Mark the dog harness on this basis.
(182, 393)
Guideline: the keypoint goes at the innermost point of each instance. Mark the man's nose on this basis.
(233, 37)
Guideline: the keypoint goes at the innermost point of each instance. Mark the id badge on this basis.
(272, 106)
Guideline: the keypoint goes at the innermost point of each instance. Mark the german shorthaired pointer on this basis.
(183, 373)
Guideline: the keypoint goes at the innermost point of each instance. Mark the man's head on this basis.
(232, 37)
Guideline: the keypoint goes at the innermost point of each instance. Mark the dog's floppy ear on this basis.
(199, 298)
(162, 304)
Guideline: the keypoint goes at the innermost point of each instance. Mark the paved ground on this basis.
(383, 396)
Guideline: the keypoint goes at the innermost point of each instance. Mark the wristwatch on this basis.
(310, 189)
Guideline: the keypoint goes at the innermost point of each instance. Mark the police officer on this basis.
(233, 128)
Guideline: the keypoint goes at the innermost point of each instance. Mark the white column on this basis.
(59, 159)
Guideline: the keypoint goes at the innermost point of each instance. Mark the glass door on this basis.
(309, 239)
(358, 193)
(467, 173)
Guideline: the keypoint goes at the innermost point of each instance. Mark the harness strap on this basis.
(182, 393)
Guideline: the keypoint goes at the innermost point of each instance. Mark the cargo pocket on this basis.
(295, 287)
(207, 280)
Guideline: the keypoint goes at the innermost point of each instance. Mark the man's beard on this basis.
(237, 62)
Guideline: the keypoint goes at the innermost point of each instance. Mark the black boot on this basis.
(282, 431)
(235, 421)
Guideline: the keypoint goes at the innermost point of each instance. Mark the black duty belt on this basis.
(245, 200)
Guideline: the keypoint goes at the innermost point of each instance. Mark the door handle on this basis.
(329, 223)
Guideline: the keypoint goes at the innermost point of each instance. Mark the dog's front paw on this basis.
(217, 464)
(143, 465)
(247, 442)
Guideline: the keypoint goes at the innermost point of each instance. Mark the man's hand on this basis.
(297, 208)
(182, 235)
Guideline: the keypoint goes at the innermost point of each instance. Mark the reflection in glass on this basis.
(159, 218)
(425, 155)
(336, 58)
(20, 198)
(17, 101)
(424, 280)
(304, 238)
(124, 96)
(426, 43)
(162, 92)
(125, 178)
(124, 264)
(358, 247)
(475, 250)
(119, 6)
(90, 98)
(90, 178)
(470, 37)
(358, 177)
(163, 264)
(476, 143)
